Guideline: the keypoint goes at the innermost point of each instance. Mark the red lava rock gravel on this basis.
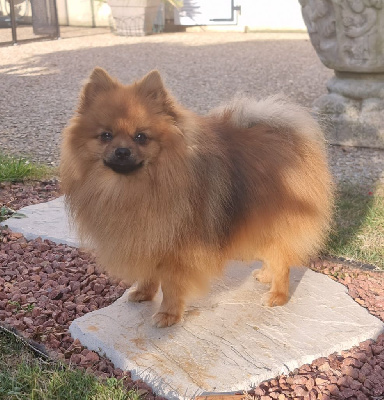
(44, 286)
(357, 373)
(17, 195)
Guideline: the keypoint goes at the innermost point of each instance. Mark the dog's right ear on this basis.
(99, 81)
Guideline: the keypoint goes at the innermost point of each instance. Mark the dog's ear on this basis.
(99, 81)
(153, 89)
(152, 86)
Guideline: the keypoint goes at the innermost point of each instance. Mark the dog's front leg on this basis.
(174, 289)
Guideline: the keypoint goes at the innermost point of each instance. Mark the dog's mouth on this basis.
(123, 168)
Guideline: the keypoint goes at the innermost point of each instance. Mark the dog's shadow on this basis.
(238, 281)
(237, 286)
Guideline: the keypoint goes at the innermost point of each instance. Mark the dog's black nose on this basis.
(122, 153)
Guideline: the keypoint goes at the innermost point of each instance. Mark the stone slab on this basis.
(228, 341)
(46, 220)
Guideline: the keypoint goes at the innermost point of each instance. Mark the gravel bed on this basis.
(41, 80)
(40, 86)
(19, 194)
(63, 283)
(43, 287)
(357, 166)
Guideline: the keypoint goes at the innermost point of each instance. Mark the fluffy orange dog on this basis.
(167, 196)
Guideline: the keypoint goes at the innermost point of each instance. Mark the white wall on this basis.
(255, 14)
(79, 12)
(271, 14)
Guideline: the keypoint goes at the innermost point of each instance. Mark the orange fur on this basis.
(248, 181)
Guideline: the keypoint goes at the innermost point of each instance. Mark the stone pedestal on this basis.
(134, 17)
(348, 36)
(354, 109)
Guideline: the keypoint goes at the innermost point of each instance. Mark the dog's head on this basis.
(124, 127)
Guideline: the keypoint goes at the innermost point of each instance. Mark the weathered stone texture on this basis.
(348, 36)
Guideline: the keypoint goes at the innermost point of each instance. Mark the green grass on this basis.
(14, 169)
(23, 376)
(359, 225)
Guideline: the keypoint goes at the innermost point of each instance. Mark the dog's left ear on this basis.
(152, 88)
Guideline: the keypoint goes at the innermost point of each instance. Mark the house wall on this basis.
(255, 14)
(271, 15)
(80, 12)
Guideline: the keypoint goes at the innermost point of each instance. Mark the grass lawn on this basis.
(14, 169)
(24, 376)
(358, 232)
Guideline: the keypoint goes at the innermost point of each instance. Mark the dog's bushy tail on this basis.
(275, 111)
(307, 181)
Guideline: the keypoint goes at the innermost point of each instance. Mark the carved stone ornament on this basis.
(348, 36)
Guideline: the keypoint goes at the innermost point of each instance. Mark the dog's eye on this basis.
(141, 138)
(106, 137)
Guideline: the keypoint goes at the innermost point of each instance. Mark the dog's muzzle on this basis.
(123, 161)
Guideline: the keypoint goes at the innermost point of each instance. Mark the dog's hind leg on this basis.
(264, 274)
(276, 272)
(145, 290)
(279, 293)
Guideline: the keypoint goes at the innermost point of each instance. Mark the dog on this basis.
(167, 196)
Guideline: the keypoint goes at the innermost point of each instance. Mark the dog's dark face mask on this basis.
(123, 155)
(122, 165)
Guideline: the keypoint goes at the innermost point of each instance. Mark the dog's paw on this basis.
(139, 296)
(262, 276)
(276, 299)
(164, 319)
